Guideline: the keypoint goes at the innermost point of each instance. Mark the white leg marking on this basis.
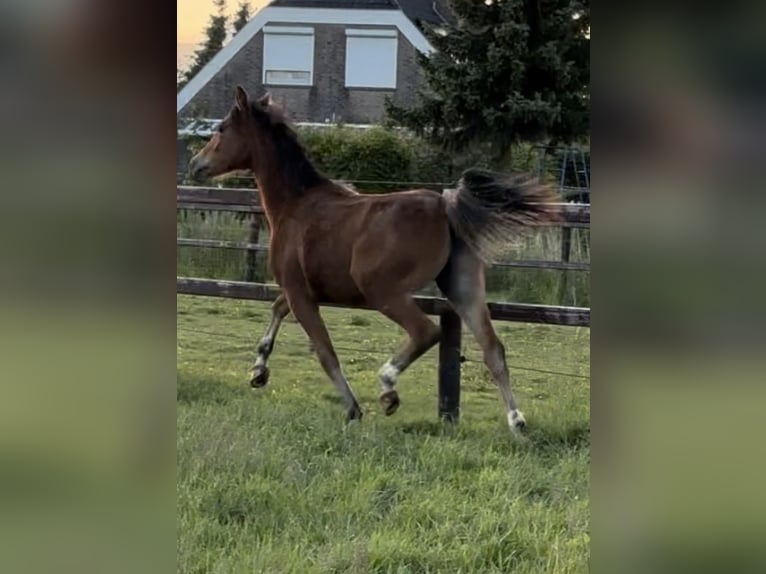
(260, 372)
(388, 374)
(516, 419)
(262, 357)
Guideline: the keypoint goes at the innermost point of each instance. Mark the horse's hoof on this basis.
(354, 414)
(260, 377)
(390, 402)
(516, 420)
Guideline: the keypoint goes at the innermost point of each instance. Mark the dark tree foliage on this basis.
(506, 71)
(215, 36)
(242, 17)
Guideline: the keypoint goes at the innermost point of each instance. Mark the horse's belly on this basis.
(330, 280)
(335, 290)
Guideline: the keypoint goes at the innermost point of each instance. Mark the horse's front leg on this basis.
(306, 311)
(260, 373)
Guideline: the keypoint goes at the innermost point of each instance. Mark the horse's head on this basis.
(232, 145)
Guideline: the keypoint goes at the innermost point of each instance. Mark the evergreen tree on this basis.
(244, 13)
(215, 36)
(507, 71)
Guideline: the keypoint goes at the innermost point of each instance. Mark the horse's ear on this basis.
(266, 100)
(241, 99)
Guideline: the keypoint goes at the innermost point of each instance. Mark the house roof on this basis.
(376, 4)
(375, 15)
(431, 11)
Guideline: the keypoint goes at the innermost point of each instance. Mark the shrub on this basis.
(366, 157)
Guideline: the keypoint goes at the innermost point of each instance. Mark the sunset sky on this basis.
(192, 17)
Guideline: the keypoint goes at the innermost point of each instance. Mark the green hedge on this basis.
(367, 157)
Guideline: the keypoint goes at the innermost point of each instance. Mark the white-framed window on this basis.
(288, 56)
(371, 58)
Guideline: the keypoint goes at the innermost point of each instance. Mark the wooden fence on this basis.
(245, 201)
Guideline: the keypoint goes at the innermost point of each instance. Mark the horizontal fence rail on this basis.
(519, 312)
(244, 246)
(221, 244)
(245, 199)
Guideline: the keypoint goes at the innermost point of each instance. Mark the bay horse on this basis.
(330, 244)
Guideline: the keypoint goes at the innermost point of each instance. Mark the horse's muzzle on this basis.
(198, 170)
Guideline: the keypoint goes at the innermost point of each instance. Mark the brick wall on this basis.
(327, 99)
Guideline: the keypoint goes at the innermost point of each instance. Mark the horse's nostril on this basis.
(197, 170)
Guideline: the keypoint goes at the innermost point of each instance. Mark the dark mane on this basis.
(294, 163)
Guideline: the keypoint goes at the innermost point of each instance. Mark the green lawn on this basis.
(273, 480)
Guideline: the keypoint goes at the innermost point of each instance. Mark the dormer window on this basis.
(288, 56)
(371, 58)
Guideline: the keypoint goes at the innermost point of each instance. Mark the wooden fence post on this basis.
(253, 236)
(566, 249)
(251, 258)
(449, 366)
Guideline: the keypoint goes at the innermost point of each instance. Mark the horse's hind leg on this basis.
(423, 334)
(462, 282)
(279, 310)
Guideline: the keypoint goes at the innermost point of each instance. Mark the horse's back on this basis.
(403, 245)
(347, 215)
(348, 244)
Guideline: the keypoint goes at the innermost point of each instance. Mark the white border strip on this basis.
(373, 33)
(207, 131)
(300, 16)
(292, 30)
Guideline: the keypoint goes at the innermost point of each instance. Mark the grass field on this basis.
(274, 481)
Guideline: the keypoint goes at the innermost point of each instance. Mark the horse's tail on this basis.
(486, 206)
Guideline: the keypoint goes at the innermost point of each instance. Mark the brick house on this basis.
(325, 61)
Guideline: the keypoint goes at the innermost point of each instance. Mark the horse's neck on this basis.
(283, 186)
(274, 203)
(277, 197)
(271, 185)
